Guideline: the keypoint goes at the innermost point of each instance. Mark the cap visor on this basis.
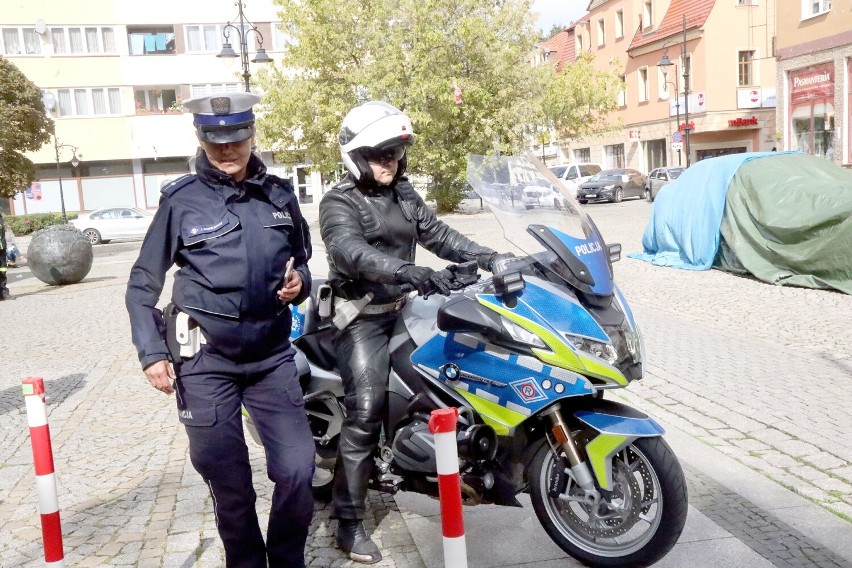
(224, 136)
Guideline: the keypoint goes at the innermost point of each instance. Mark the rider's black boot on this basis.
(352, 538)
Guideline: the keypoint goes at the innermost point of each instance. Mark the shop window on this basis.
(615, 156)
(657, 152)
(583, 155)
(813, 130)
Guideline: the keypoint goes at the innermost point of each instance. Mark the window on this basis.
(643, 84)
(280, 38)
(579, 43)
(601, 36)
(811, 8)
(83, 40)
(662, 81)
(746, 2)
(211, 89)
(583, 154)
(745, 73)
(615, 156)
(647, 14)
(157, 40)
(156, 100)
(89, 102)
(621, 98)
(20, 41)
(619, 24)
(210, 37)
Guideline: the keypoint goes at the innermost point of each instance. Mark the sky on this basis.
(558, 12)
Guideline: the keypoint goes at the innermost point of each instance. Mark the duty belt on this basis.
(392, 307)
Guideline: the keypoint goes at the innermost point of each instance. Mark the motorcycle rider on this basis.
(371, 222)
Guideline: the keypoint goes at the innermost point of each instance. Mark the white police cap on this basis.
(223, 118)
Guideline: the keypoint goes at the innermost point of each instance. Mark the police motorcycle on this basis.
(526, 356)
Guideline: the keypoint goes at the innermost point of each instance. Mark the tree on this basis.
(26, 128)
(416, 55)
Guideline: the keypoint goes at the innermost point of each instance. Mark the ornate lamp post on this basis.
(664, 63)
(242, 35)
(75, 161)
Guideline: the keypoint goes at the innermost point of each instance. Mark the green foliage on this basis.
(25, 128)
(26, 224)
(412, 54)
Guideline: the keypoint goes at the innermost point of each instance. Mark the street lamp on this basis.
(242, 34)
(665, 62)
(676, 85)
(75, 161)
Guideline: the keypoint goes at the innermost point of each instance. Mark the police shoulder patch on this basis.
(171, 188)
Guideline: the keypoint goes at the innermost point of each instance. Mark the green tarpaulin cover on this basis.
(788, 220)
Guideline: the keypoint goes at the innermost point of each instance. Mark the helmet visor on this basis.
(384, 155)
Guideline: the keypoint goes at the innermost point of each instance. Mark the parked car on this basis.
(572, 175)
(536, 192)
(612, 185)
(660, 177)
(103, 225)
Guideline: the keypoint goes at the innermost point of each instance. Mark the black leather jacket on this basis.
(370, 232)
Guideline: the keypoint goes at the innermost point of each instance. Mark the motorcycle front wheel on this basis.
(636, 523)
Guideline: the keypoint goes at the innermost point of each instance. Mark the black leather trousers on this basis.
(364, 361)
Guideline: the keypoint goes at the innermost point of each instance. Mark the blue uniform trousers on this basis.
(210, 389)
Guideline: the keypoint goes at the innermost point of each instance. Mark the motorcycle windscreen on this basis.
(555, 233)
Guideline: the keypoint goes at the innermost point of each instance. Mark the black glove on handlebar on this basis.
(425, 280)
(495, 259)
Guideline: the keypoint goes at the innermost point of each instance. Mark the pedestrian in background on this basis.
(231, 228)
(4, 291)
(370, 223)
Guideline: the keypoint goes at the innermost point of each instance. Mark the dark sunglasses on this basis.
(394, 154)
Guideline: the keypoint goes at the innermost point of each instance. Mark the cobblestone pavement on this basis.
(758, 371)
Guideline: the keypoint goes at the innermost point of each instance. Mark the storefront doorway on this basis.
(716, 152)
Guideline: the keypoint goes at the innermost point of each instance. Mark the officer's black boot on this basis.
(352, 538)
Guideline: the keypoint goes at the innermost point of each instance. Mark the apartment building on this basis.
(718, 95)
(814, 75)
(113, 74)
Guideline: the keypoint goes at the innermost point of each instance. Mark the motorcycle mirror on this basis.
(614, 251)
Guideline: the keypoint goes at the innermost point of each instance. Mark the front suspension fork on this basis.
(580, 470)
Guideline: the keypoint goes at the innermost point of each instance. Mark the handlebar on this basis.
(458, 275)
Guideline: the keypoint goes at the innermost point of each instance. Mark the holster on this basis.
(170, 314)
(183, 335)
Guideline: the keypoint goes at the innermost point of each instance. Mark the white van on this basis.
(573, 175)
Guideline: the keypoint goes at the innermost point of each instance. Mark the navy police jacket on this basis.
(231, 243)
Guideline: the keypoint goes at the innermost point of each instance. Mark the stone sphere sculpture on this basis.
(60, 254)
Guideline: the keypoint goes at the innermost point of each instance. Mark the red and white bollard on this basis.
(442, 423)
(48, 503)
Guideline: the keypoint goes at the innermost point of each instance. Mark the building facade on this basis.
(114, 75)
(814, 76)
(721, 49)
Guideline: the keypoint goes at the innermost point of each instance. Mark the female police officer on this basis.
(371, 223)
(231, 229)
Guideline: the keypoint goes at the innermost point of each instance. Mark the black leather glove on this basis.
(425, 280)
(498, 257)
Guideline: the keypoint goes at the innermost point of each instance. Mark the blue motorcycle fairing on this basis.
(520, 383)
(592, 253)
(620, 425)
(548, 306)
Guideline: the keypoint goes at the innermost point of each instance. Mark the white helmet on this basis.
(374, 125)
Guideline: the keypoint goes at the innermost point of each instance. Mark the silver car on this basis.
(103, 225)
(660, 177)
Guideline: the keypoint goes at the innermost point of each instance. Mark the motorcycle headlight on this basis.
(521, 335)
(599, 349)
(626, 341)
